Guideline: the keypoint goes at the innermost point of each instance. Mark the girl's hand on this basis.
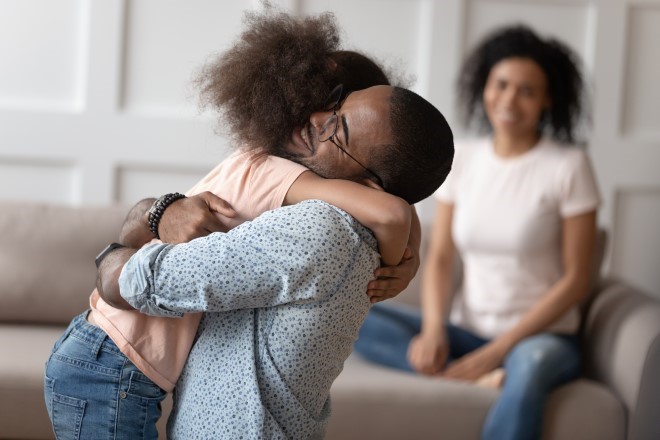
(392, 280)
(427, 354)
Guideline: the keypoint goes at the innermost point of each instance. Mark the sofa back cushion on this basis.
(47, 253)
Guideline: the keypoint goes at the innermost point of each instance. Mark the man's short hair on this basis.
(421, 154)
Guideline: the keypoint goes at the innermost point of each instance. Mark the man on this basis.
(285, 293)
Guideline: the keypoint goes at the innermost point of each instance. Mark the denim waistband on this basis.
(91, 334)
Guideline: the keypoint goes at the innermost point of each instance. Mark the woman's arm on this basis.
(578, 237)
(428, 350)
(579, 234)
(386, 215)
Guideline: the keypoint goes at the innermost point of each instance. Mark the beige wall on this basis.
(96, 106)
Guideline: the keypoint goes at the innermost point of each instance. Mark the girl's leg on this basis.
(386, 333)
(533, 368)
(93, 391)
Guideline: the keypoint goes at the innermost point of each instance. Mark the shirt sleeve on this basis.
(579, 190)
(269, 181)
(293, 254)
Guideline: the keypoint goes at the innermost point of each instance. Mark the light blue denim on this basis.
(534, 367)
(93, 391)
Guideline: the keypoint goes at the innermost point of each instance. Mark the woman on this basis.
(520, 207)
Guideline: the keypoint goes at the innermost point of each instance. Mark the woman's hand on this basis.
(194, 217)
(427, 354)
(392, 280)
(477, 363)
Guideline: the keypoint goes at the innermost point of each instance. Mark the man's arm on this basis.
(135, 231)
(292, 254)
(107, 277)
(182, 221)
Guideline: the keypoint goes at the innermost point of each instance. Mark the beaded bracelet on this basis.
(157, 209)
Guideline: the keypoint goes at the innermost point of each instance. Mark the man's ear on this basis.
(371, 184)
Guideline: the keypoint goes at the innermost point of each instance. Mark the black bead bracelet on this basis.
(157, 209)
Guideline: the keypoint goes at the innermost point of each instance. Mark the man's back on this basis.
(289, 291)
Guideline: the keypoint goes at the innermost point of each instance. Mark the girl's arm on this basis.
(392, 280)
(386, 215)
(578, 238)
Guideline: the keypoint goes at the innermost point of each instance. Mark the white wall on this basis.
(96, 105)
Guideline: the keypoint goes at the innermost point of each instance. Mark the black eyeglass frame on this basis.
(334, 102)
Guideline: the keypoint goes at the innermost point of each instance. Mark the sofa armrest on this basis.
(621, 339)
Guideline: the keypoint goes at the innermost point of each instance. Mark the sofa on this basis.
(47, 273)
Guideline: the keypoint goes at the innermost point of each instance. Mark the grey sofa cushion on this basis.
(47, 255)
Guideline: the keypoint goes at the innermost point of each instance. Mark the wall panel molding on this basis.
(137, 181)
(38, 180)
(42, 46)
(640, 118)
(637, 209)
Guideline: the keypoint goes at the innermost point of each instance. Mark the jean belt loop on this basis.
(98, 343)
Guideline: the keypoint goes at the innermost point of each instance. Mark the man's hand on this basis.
(392, 280)
(194, 217)
(427, 354)
(474, 365)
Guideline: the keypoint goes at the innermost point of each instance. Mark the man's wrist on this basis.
(105, 252)
(107, 282)
(158, 208)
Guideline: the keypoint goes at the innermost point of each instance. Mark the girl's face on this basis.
(515, 96)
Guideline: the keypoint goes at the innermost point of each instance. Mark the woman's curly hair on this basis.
(559, 63)
(278, 73)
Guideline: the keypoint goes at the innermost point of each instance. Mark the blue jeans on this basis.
(534, 367)
(93, 391)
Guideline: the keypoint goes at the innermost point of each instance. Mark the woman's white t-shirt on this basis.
(507, 224)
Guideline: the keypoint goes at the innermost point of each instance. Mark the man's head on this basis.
(389, 135)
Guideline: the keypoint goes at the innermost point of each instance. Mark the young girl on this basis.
(111, 369)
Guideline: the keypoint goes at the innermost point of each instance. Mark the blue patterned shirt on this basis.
(286, 295)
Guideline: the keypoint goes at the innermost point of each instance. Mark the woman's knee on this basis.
(544, 355)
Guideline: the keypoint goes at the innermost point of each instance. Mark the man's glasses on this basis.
(329, 129)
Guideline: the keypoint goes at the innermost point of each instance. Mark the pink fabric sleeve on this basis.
(270, 180)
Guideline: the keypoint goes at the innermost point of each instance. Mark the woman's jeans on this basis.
(534, 367)
(93, 391)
